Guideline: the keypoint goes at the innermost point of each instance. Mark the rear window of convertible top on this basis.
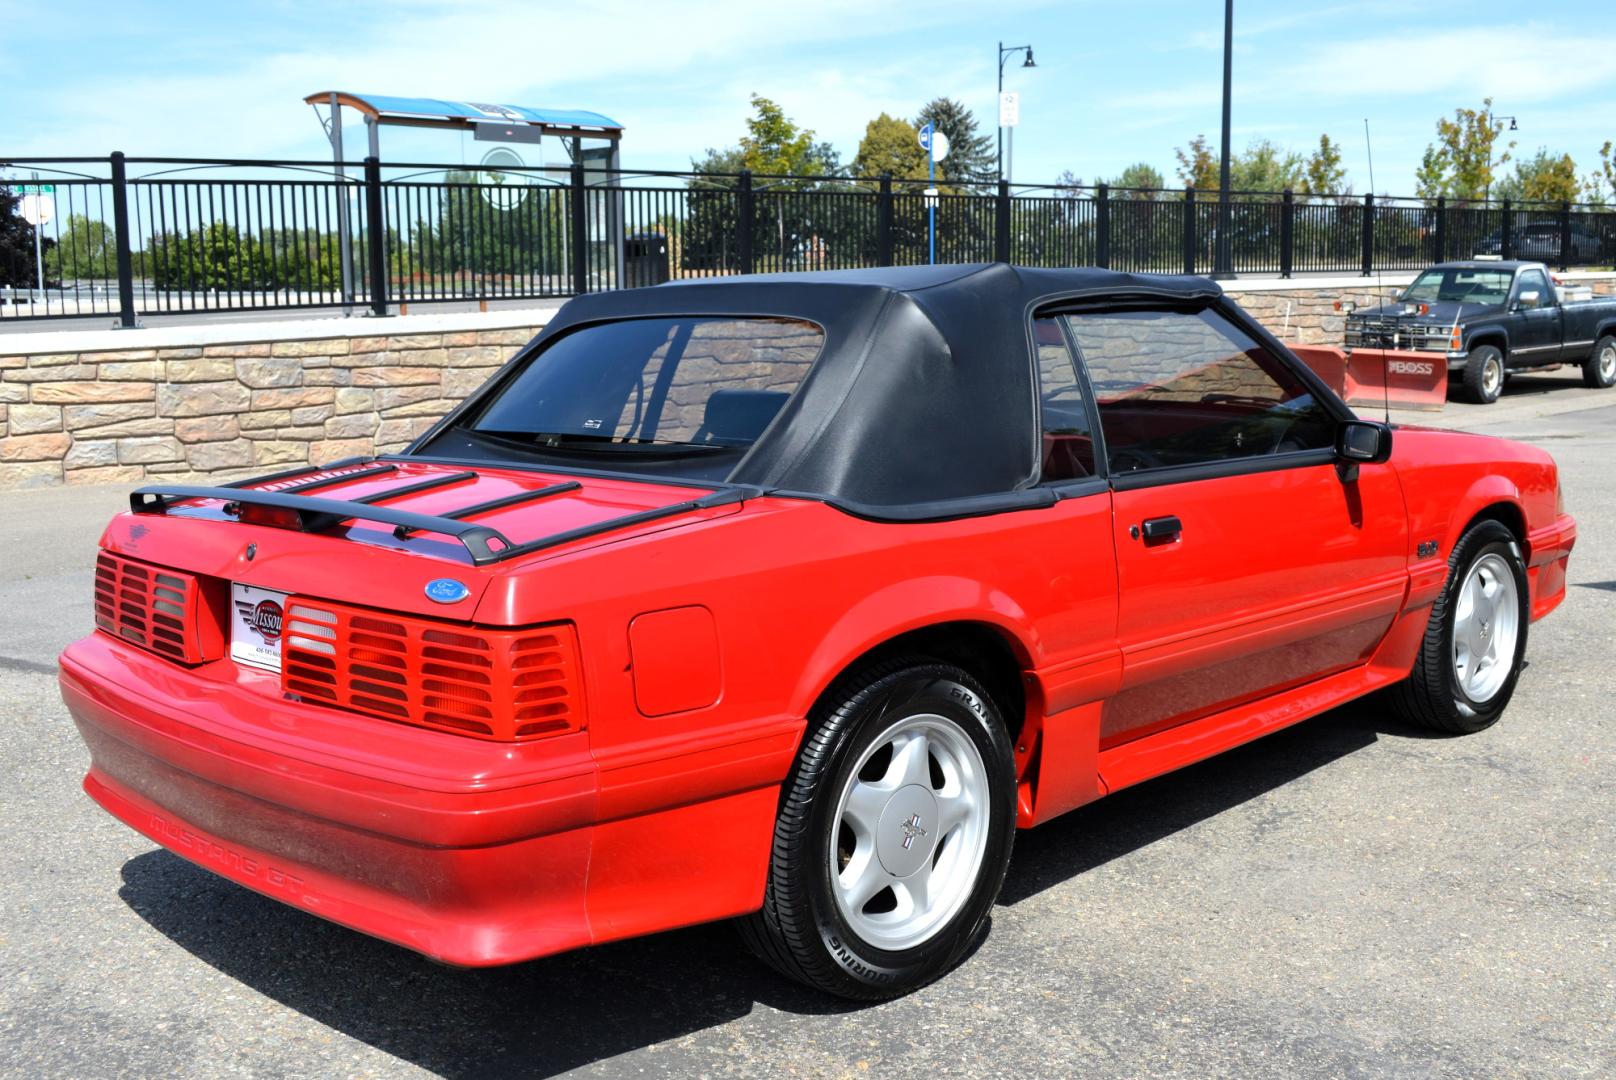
(656, 384)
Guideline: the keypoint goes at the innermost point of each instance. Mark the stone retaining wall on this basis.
(233, 407)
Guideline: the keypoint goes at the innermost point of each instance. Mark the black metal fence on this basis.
(133, 237)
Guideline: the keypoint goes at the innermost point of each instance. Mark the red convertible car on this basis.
(790, 599)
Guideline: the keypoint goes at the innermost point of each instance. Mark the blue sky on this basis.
(1116, 82)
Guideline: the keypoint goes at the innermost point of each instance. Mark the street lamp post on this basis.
(1004, 54)
(1487, 192)
(1221, 264)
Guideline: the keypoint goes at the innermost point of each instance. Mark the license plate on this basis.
(255, 626)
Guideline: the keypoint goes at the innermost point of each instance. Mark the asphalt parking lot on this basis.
(1346, 898)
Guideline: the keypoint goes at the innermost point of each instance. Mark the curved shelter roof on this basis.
(436, 112)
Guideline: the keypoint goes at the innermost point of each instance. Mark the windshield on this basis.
(655, 386)
(1460, 284)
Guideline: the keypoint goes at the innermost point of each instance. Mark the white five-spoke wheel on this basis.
(894, 832)
(1475, 641)
(910, 830)
(1485, 624)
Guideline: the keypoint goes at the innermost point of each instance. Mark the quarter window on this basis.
(1177, 387)
(1068, 444)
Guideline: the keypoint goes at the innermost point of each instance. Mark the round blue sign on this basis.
(446, 591)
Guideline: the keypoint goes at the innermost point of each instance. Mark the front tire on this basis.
(1599, 370)
(894, 834)
(1484, 375)
(1471, 658)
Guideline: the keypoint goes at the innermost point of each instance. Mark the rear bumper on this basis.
(472, 852)
(450, 849)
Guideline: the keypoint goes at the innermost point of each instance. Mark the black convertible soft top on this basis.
(925, 392)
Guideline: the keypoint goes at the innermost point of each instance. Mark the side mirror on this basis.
(1529, 298)
(1363, 442)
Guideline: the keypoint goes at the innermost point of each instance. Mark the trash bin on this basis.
(645, 260)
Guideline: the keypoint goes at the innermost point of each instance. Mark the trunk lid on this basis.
(532, 514)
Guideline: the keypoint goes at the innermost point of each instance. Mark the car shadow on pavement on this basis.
(568, 1011)
(533, 1019)
(1522, 384)
(1135, 817)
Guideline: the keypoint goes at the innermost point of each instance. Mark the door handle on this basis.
(1159, 529)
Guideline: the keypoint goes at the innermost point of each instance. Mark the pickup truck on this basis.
(1493, 318)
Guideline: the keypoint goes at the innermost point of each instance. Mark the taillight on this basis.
(156, 608)
(509, 685)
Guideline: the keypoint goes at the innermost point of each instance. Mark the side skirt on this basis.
(1151, 756)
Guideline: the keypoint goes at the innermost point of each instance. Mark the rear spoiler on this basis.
(484, 545)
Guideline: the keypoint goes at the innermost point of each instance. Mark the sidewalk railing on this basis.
(137, 237)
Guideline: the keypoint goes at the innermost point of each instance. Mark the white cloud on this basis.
(620, 57)
(1515, 65)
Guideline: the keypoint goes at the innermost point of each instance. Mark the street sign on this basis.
(1009, 108)
(38, 209)
(34, 189)
(934, 143)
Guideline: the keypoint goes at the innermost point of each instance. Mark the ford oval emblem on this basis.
(446, 590)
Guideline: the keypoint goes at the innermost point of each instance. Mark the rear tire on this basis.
(1599, 370)
(894, 834)
(1457, 685)
(1484, 375)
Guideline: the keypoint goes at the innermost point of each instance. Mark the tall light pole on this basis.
(1221, 265)
(1005, 54)
(1487, 194)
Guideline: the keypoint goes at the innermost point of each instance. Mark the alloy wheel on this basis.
(1486, 622)
(909, 832)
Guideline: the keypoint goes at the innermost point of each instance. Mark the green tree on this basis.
(1261, 166)
(213, 258)
(499, 237)
(1198, 165)
(971, 155)
(890, 146)
(17, 266)
(1323, 174)
(86, 249)
(1543, 178)
(304, 258)
(1264, 166)
(1138, 181)
(1600, 186)
(1461, 163)
(775, 145)
(786, 233)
